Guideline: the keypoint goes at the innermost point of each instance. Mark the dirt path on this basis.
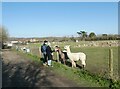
(18, 71)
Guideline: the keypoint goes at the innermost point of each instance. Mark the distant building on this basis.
(33, 40)
(14, 42)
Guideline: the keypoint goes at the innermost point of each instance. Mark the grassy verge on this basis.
(81, 77)
(34, 58)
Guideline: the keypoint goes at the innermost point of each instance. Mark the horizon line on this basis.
(58, 36)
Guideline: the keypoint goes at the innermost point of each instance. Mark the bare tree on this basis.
(3, 35)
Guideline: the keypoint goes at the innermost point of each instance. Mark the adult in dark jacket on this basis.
(49, 54)
(43, 50)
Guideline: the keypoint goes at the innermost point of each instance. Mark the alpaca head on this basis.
(67, 47)
(56, 48)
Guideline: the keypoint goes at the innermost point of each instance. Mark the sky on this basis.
(45, 19)
(61, 0)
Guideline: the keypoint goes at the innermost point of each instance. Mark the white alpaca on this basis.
(75, 56)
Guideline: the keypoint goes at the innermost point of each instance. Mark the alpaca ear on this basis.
(64, 47)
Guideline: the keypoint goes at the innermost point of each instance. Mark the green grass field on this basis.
(97, 57)
(96, 72)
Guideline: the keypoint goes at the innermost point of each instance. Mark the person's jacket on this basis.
(49, 50)
(43, 48)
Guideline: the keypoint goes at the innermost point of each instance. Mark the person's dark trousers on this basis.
(49, 60)
(45, 58)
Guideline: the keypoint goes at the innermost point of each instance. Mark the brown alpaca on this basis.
(61, 54)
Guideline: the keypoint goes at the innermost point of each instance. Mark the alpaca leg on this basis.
(59, 59)
(83, 66)
(83, 63)
(64, 61)
(74, 64)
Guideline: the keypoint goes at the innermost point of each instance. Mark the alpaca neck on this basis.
(60, 52)
(68, 50)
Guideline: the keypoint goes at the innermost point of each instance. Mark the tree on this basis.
(82, 34)
(3, 34)
(92, 35)
(104, 36)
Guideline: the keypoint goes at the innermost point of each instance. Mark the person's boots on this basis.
(49, 62)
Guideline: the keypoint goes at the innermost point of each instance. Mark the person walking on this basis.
(43, 50)
(49, 54)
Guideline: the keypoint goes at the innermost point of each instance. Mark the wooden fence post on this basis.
(111, 63)
(57, 56)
